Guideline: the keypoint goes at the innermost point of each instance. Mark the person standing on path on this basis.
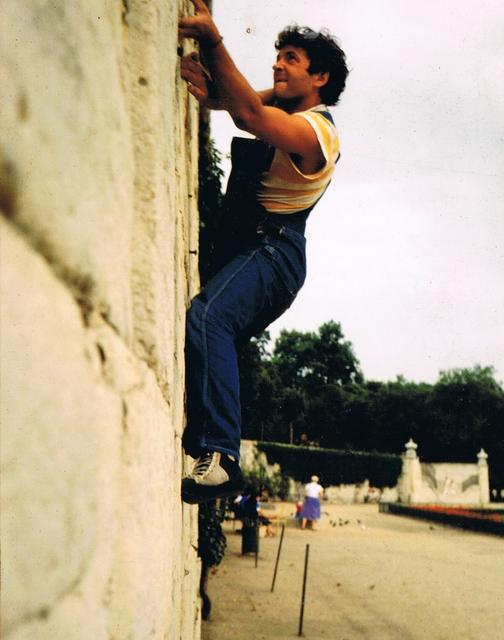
(311, 506)
(275, 182)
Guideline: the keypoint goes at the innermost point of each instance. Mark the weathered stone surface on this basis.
(165, 188)
(60, 427)
(98, 183)
(69, 146)
(146, 572)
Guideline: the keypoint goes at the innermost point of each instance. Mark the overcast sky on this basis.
(406, 249)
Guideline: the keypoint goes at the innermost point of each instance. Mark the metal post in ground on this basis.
(257, 544)
(277, 558)
(301, 615)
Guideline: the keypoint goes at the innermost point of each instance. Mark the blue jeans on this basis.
(241, 300)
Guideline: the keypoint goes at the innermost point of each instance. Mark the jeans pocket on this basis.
(291, 280)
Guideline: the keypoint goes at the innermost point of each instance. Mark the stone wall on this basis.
(445, 483)
(440, 483)
(98, 192)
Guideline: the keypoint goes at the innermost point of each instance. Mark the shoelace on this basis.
(203, 466)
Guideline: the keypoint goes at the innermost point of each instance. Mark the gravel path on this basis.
(378, 577)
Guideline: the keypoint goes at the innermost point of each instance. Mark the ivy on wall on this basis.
(212, 541)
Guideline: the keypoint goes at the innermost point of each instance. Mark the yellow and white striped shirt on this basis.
(284, 189)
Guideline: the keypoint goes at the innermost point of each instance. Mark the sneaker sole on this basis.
(194, 493)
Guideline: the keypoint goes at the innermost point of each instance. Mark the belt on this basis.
(269, 228)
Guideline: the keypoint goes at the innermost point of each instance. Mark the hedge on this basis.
(334, 466)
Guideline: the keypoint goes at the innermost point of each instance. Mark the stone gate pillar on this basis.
(484, 484)
(411, 478)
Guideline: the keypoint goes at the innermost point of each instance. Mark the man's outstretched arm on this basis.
(202, 86)
(284, 131)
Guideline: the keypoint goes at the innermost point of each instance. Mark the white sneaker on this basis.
(214, 475)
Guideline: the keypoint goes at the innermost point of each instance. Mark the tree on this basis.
(335, 356)
(258, 390)
(292, 410)
(293, 355)
(314, 359)
(468, 412)
(311, 367)
(311, 388)
(324, 417)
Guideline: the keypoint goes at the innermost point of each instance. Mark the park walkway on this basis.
(371, 576)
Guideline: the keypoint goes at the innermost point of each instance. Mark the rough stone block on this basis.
(58, 420)
(68, 160)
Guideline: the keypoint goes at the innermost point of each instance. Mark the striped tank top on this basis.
(284, 189)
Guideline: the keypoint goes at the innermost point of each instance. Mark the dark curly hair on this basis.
(325, 55)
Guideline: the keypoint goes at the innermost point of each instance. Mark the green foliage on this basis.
(258, 389)
(278, 390)
(332, 466)
(276, 484)
(483, 376)
(308, 360)
(210, 203)
(310, 389)
(467, 405)
(211, 539)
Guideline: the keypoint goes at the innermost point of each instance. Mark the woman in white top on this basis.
(311, 505)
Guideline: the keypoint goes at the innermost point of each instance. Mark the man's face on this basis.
(291, 79)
